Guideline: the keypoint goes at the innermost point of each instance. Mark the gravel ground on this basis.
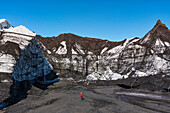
(63, 97)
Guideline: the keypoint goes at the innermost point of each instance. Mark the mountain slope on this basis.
(158, 37)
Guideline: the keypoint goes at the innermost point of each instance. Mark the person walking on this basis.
(81, 96)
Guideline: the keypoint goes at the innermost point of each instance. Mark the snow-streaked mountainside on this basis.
(92, 58)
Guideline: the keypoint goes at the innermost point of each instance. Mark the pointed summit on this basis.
(159, 33)
(160, 23)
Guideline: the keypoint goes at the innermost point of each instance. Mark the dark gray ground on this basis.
(63, 97)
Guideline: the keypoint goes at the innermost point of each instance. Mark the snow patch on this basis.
(48, 51)
(140, 74)
(119, 48)
(107, 75)
(116, 49)
(5, 81)
(70, 79)
(160, 64)
(22, 29)
(147, 38)
(2, 20)
(167, 43)
(54, 49)
(19, 35)
(7, 62)
(104, 50)
(73, 52)
(79, 49)
(90, 53)
(62, 49)
(94, 76)
(4, 24)
(159, 42)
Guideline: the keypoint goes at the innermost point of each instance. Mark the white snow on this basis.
(7, 62)
(70, 79)
(63, 43)
(44, 48)
(6, 69)
(23, 30)
(54, 49)
(136, 74)
(116, 49)
(138, 46)
(5, 81)
(48, 51)
(79, 49)
(128, 41)
(104, 50)
(167, 43)
(160, 63)
(73, 52)
(145, 40)
(152, 51)
(119, 48)
(19, 30)
(4, 24)
(140, 74)
(6, 58)
(2, 20)
(90, 53)
(94, 76)
(62, 50)
(159, 42)
(107, 75)
(83, 80)
(152, 72)
(116, 76)
(23, 41)
(20, 35)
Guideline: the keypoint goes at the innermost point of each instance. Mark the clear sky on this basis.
(113, 20)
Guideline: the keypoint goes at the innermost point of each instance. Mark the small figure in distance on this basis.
(81, 96)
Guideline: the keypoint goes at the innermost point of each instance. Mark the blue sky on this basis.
(113, 20)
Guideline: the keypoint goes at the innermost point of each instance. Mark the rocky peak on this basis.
(159, 23)
(158, 32)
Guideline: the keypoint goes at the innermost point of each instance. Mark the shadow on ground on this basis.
(19, 89)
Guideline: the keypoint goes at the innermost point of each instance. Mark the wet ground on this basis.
(63, 97)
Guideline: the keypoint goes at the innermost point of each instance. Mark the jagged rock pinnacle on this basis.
(160, 23)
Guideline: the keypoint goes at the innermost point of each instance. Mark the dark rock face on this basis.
(31, 63)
